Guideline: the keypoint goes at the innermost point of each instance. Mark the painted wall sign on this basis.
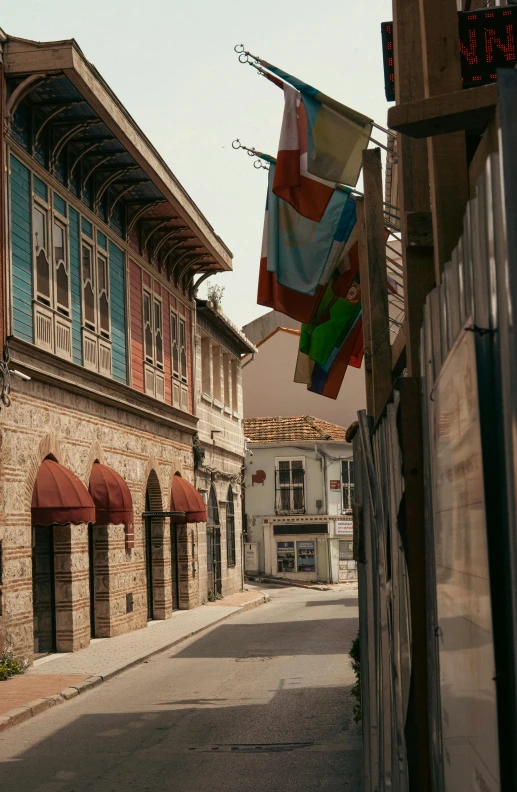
(259, 477)
(487, 43)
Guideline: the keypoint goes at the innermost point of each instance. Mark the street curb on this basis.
(21, 714)
(295, 583)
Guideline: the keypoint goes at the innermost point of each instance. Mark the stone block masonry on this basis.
(93, 577)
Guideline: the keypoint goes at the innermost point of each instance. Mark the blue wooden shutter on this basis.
(21, 250)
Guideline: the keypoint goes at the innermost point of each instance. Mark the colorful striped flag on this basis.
(336, 135)
(334, 339)
(300, 255)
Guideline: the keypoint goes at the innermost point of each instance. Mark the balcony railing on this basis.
(290, 491)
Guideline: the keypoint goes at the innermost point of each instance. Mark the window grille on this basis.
(290, 487)
(347, 484)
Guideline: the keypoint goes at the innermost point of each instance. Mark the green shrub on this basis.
(355, 657)
(10, 665)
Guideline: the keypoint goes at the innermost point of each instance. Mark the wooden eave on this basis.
(22, 57)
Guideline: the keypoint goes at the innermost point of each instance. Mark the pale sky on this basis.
(172, 65)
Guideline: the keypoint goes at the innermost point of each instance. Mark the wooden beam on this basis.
(365, 300)
(399, 351)
(416, 227)
(377, 343)
(447, 153)
(469, 110)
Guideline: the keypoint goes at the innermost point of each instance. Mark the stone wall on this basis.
(45, 420)
(224, 458)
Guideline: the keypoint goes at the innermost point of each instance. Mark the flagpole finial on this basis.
(251, 152)
(245, 56)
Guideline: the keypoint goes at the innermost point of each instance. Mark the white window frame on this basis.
(175, 344)
(154, 378)
(52, 322)
(291, 486)
(44, 207)
(96, 341)
(183, 348)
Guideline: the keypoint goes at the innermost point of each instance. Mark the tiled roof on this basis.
(302, 427)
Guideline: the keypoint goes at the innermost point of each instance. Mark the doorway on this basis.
(213, 546)
(91, 570)
(175, 573)
(149, 559)
(43, 590)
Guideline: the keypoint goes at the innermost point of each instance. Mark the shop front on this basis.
(297, 550)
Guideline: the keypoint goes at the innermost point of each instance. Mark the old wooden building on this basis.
(101, 249)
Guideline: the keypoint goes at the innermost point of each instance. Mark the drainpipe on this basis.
(323, 464)
(252, 358)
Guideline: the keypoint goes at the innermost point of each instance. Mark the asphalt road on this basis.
(258, 704)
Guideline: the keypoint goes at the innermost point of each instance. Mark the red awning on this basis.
(59, 497)
(111, 496)
(186, 498)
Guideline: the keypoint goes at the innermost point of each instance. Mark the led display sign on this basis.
(487, 43)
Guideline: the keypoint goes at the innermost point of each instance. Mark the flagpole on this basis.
(252, 152)
(253, 60)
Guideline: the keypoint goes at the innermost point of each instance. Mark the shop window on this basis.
(52, 319)
(285, 556)
(230, 528)
(153, 345)
(290, 486)
(306, 556)
(347, 484)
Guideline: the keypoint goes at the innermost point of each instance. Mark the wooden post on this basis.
(418, 260)
(365, 300)
(447, 153)
(377, 330)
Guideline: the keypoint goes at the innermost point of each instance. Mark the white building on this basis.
(268, 378)
(299, 492)
(220, 450)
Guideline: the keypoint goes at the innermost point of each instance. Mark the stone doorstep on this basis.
(22, 713)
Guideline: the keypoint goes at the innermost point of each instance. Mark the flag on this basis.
(334, 339)
(299, 255)
(307, 194)
(336, 134)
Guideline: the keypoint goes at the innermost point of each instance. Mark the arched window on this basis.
(230, 528)
(213, 509)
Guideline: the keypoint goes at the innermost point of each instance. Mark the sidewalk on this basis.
(59, 677)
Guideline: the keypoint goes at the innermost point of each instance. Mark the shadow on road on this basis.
(279, 638)
(348, 602)
(199, 748)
